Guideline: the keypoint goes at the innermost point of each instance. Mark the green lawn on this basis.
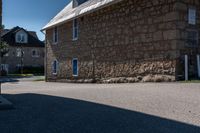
(20, 75)
(190, 81)
(40, 79)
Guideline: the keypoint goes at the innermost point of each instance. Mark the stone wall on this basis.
(128, 39)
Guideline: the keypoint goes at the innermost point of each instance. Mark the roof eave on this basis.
(80, 15)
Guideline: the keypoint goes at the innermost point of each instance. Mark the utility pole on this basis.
(22, 59)
(0, 37)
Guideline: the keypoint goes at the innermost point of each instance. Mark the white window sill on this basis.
(55, 74)
(55, 43)
(74, 39)
(75, 75)
(21, 42)
(36, 56)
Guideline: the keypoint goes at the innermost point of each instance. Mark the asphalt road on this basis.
(101, 108)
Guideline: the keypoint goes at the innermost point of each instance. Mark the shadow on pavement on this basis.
(8, 79)
(35, 113)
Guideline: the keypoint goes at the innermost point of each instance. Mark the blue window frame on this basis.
(55, 67)
(75, 66)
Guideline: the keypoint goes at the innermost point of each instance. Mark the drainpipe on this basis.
(198, 65)
(186, 67)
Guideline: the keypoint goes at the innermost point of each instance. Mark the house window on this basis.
(18, 66)
(75, 29)
(78, 2)
(6, 55)
(18, 52)
(192, 16)
(75, 66)
(4, 67)
(35, 53)
(55, 67)
(192, 38)
(21, 38)
(55, 35)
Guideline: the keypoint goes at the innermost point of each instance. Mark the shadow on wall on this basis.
(48, 114)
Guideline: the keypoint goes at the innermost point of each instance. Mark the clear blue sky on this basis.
(31, 14)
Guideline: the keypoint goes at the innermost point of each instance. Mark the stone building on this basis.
(25, 49)
(101, 39)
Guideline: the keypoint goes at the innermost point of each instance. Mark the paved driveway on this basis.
(101, 108)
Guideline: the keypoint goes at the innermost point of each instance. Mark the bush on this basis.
(32, 70)
(4, 73)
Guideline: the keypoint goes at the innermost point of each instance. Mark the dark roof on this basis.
(9, 37)
(5, 31)
(33, 33)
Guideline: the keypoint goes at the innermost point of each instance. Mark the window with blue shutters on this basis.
(75, 66)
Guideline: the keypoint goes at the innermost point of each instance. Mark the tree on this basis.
(4, 48)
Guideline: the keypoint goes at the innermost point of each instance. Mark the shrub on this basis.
(32, 70)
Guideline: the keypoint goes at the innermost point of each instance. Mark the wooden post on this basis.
(198, 65)
(186, 67)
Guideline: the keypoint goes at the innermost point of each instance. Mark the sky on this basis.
(31, 14)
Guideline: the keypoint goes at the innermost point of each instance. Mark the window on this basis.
(75, 29)
(18, 66)
(192, 38)
(192, 16)
(4, 67)
(55, 67)
(35, 53)
(78, 2)
(21, 38)
(75, 66)
(6, 55)
(18, 52)
(55, 35)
